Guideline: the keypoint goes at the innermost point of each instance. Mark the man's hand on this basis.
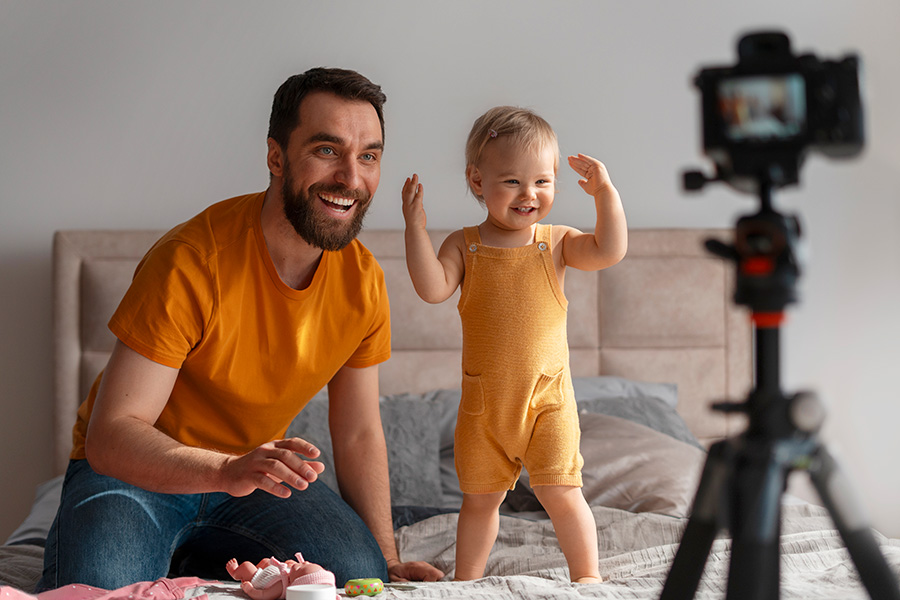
(270, 465)
(416, 570)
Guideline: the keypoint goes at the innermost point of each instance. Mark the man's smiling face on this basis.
(332, 167)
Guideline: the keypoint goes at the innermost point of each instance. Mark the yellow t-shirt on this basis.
(206, 299)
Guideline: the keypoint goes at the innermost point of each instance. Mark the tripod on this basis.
(744, 477)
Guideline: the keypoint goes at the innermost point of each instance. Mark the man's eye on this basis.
(326, 150)
(369, 157)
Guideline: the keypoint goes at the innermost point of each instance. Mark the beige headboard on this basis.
(663, 314)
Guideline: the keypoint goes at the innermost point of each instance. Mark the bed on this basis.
(654, 341)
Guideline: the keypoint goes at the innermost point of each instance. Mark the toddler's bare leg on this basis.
(575, 528)
(479, 521)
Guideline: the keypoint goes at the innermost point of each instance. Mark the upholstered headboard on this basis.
(663, 314)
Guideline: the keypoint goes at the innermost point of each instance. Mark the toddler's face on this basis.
(518, 185)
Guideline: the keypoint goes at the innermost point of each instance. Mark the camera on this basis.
(761, 115)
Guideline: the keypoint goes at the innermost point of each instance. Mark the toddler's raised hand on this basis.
(413, 203)
(595, 178)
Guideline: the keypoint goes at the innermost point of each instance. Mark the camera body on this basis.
(761, 115)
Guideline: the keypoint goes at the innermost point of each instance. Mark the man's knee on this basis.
(97, 514)
(348, 548)
(360, 562)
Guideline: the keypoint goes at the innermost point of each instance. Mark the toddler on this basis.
(518, 405)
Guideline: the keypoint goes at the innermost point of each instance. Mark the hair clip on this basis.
(492, 133)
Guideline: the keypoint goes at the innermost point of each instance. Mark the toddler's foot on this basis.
(590, 579)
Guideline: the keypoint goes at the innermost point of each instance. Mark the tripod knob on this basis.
(694, 180)
(807, 412)
(722, 250)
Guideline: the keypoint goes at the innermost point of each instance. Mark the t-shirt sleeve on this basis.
(168, 305)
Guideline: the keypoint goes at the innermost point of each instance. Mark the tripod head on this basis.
(765, 254)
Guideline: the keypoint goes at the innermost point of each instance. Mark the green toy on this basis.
(367, 587)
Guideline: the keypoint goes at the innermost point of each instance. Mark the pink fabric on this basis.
(161, 589)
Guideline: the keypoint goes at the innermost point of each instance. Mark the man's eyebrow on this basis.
(333, 139)
(324, 137)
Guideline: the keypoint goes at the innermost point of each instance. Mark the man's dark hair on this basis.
(341, 82)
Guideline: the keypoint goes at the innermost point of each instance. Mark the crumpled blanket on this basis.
(21, 565)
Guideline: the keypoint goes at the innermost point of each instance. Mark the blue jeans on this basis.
(110, 534)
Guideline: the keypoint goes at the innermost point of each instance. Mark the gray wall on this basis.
(139, 114)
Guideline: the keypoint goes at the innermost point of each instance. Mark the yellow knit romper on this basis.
(518, 406)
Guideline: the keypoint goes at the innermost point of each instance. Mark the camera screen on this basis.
(762, 108)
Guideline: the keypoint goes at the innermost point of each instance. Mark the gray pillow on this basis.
(608, 386)
(447, 402)
(412, 436)
(648, 403)
(630, 467)
(650, 412)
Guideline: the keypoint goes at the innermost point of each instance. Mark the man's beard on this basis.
(315, 227)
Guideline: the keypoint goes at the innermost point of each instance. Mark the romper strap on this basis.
(472, 235)
(543, 233)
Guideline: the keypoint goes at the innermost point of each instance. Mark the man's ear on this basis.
(475, 180)
(275, 158)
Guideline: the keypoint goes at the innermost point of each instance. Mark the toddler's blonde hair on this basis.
(524, 126)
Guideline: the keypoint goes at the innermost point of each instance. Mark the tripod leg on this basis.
(756, 527)
(702, 526)
(837, 495)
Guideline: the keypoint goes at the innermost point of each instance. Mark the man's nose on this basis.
(347, 173)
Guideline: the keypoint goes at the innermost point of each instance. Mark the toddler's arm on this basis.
(435, 277)
(607, 244)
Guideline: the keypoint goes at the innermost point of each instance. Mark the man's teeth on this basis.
(346, 203)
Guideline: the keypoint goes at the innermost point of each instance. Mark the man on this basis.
(232, 323)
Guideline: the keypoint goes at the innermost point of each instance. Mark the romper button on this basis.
(472, 248)
(542, 246)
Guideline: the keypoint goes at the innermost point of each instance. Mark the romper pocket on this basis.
(472, 402)
(548, 390)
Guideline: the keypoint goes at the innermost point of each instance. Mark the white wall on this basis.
(139, 114)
